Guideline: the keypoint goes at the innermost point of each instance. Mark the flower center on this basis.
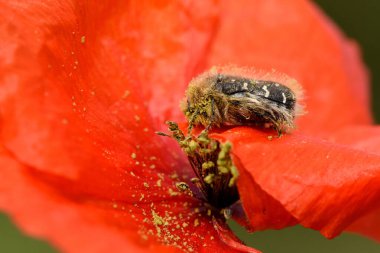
(215, 172)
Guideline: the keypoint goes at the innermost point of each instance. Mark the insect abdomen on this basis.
(267, 90)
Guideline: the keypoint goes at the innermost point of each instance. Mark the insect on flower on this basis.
(240, 96)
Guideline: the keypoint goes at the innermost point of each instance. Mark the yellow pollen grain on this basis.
(137, 118)
(146, 184)
(83, 39)
(65, 121)
(185, 224)
(209, 179)
(157, 220)
(114, 205)
(133, 155)
(141, 197)
(158, 231)
(209, 212)
(159, 183)
(196, 223)
(132, 174)
(174, 176)
(152, 166)
(126, 94)
(173, 193)
(152, 158)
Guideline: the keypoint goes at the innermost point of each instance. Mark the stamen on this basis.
(215, 172)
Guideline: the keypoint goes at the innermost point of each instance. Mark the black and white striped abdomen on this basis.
(267, 91)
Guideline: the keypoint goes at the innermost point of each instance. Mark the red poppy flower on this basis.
(84, 86)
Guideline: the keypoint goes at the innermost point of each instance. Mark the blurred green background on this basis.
(360, 21)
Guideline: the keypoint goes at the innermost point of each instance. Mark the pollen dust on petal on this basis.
(169, 221)
(159, 211)
(175, 229)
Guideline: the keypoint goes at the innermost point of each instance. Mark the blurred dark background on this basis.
(360, 21)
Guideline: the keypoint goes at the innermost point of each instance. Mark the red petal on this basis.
(324, 185)
(82, 88)
(368, 225)
(295, 38)
(43, 213)
(366, 139)
(230, 239)
(263, 211)
(80, 84)
(92, 225)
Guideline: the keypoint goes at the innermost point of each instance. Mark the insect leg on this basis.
(212, 118)
(191, 122)
(278, 129)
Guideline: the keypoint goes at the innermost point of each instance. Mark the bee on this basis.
(238, 96)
